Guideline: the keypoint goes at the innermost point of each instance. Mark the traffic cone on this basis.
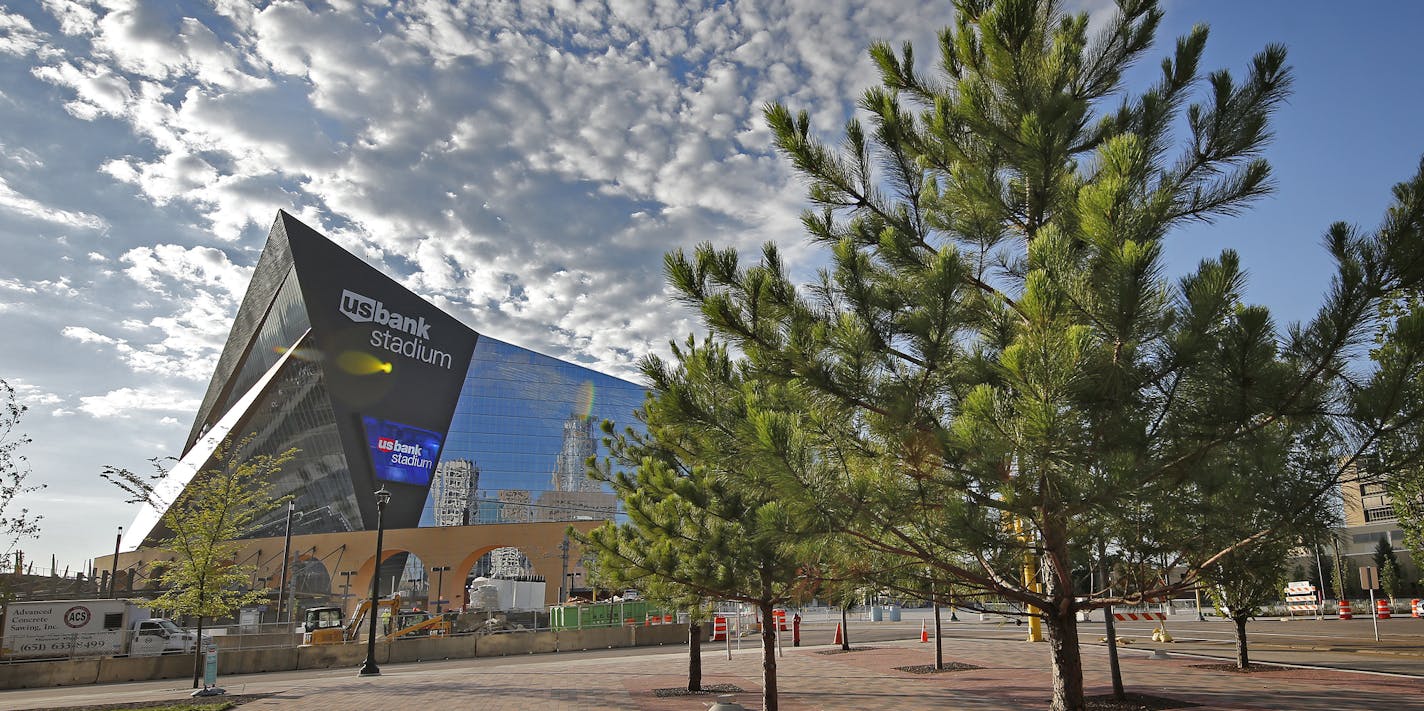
(924, 632)
(838, 635)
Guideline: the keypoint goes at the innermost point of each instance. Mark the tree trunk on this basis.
(1114, 667)
(768, 658)
(1243, 661)
(1062, 625)
(1067, 659)
(694, 656)
(198, 654)
(845, 627)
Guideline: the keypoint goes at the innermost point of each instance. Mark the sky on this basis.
(523, 165)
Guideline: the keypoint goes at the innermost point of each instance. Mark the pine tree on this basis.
(698, 525)
(219, 506)
(995, 344)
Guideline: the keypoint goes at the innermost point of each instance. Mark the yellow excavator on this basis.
(324, 625)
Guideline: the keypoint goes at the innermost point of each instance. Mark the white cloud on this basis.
(128, 402)
(32, 395)
(19, 204)
(17, 35)
(167, 267)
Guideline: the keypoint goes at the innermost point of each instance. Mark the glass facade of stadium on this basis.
(375, 387)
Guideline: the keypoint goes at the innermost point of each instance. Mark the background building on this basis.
(1368, 514)
(375, 387)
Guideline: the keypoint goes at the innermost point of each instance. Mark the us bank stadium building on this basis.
(482, 445)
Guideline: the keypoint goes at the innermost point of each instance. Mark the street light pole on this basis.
(114, 570)
(440, 587)
(369, 668)
(286, 558)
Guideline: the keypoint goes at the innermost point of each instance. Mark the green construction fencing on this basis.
(608, 614)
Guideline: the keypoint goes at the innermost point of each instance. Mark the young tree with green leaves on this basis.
(1249, 497)
(698, 521)
(1388, 565)
(1244, 582)
(16, 522)
(1400, 454)
(995, 338)
(220, 505)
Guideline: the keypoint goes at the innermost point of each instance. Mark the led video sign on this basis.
(401, 453)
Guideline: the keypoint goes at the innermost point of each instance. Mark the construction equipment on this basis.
(421, 624)
(323, 624)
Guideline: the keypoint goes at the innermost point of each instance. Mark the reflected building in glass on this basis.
(374, 386)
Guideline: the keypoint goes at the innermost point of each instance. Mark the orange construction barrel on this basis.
(1345, 612)
(1382, 610)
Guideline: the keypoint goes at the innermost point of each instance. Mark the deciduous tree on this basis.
(16, 522)
(220, 505)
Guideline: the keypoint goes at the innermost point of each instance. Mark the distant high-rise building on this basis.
(571, 466)
(576, 506)
(509, 563)
(453, 492)
(515, 506)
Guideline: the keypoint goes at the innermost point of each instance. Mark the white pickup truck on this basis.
(75, 628)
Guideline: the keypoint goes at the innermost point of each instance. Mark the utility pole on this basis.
(564, 572)
(114, 570)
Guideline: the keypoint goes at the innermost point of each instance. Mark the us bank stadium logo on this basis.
(404, 335)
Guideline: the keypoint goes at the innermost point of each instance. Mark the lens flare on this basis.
(361, 363)
(311, 355)
(583, 401)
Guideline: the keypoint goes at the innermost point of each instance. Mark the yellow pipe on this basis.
(1030, 581)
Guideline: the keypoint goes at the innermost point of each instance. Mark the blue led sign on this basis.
(401, 453)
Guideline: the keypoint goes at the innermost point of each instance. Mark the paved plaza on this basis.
(1012, 676)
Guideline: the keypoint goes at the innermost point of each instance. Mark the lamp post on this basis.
(113, 571)
(368, 667)
(440, 587)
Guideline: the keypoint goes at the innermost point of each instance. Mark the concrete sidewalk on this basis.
(1013, 676)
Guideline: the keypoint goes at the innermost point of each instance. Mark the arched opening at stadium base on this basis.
(405, 574)
(311, 586)
(502, 580)
(400, 572)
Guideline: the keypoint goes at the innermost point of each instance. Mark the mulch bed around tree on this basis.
(706, 689)
(838, 650)
(930, 668)
(1135, 702)
(1252, 669)
(200, 701)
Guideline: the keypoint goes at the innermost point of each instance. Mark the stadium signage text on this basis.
(364, 309)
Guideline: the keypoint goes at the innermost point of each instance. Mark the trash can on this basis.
(893, 611)
(875, 613)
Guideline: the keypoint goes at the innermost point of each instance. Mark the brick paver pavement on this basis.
(1014, 676)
